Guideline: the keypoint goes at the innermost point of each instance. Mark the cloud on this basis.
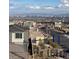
(39, 7)
(32, 7)
(64, 3)
(12, 7)
(12, 4)
(49, 7)
(67, 5)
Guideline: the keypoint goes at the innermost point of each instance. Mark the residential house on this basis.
(30, 24)
(18, 34)
(58, 24)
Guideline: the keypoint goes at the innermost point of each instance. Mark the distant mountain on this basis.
(40, 14)
(62, 15)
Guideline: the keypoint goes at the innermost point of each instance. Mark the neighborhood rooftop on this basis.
(16, 28)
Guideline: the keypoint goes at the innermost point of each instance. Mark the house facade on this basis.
(58, 24)
(18, 34)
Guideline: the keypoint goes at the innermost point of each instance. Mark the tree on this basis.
(55, 45)
(41, 44)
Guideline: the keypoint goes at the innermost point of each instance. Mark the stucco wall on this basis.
(10, 37)
(26, 35)
(17, 40)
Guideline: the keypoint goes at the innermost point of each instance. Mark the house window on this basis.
(18, 35)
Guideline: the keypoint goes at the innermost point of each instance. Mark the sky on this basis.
(38, 6)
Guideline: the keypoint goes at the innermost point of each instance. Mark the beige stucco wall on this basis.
(58, 24)
(16, 40)
(11, 23)
(37, 38)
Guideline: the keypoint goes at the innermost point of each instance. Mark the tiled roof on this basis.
(16, 28)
